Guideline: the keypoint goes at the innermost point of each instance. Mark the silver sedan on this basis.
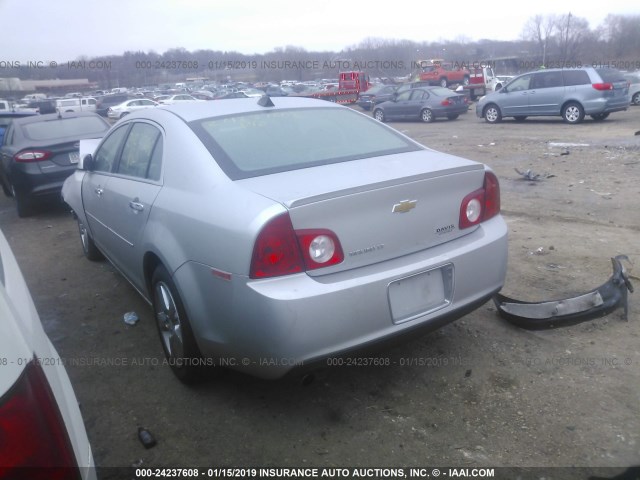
(269, 238)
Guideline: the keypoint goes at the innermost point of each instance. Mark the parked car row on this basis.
(569, 93)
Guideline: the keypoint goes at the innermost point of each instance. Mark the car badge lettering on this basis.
(404, 206)
(445, 229)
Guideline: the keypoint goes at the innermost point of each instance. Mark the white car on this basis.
(634, 86)
(118, 111)
(179, 98)
(39, 413)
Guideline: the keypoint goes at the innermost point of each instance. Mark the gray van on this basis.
(570, 93)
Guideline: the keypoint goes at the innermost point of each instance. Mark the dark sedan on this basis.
(227, 95)
(424, 104)
(376, 95)
(39, 152)
(7, 117)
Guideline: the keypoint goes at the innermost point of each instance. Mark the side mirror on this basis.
(87, 163)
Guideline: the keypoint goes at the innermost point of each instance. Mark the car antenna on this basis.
(265, 101)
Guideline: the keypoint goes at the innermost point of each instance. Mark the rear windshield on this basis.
(441, 92)
(271, 141)
(610, 75)
(65, 127)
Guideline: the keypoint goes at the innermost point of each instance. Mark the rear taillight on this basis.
(446, 103)
(27, 156)
(33, 439)
(320, 248)
(280, 250)
(481, 204)
(602, 86)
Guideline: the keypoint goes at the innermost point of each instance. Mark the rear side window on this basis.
(575, 77)
(271, 141)
(65, 127)
(547, 80)
(610, 75)
(106, 154)
(138, 150)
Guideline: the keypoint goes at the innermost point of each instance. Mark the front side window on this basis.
(519, 84)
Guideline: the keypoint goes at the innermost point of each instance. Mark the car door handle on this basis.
(136, 206)
(99, 191)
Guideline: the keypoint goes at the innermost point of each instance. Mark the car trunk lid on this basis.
(380, 208)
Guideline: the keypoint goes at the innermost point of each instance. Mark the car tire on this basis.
(492, 113)
(573, 113)
(426, 115)
(636, 98)
(88, 246)
(24, 205)
(599, 117)
(443, 82)
(378, 114)
(520, 118)
(6, 189)
(176, 336)
(452, 117)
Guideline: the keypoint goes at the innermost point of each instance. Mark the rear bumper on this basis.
(28, 179)
(270, 327)
(606, 105)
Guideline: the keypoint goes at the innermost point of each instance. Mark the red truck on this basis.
(438, 72)
(350, 84)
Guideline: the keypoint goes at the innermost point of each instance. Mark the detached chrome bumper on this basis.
(559, 313)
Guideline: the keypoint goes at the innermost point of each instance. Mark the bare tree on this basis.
(571, 31)
(540, 30)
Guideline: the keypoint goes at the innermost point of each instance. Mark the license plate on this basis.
(74, 157)
(420, 294)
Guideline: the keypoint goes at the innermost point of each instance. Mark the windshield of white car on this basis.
(271, 141)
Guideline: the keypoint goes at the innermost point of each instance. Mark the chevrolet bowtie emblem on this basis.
(404, 206)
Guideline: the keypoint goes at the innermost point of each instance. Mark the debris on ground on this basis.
(532, 176)
(146, 438)
(569, 311)
(131, 318)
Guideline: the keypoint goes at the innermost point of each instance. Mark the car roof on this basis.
(197, 110)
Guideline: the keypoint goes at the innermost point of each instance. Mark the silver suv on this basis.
(570, 93)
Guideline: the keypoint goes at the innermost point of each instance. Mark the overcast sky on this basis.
(45, 30)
